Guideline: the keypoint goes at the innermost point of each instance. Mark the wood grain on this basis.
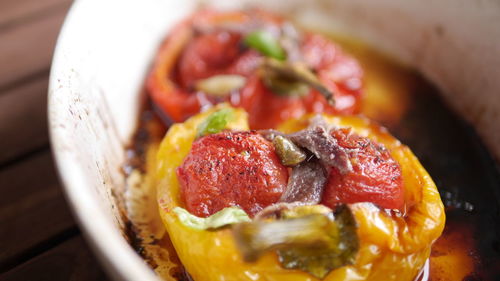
(15, 12)
(38, 236)
(23, 119)
(70, 260)
(32, 207)
(27, 49)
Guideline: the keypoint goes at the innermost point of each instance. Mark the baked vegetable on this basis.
(256, 61)
(366, 241)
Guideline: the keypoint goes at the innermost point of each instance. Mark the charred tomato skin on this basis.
(376, 177)
(231, 169)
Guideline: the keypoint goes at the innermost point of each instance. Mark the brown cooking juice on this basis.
(465, 173)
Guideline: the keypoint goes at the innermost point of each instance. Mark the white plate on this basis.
(105, 48)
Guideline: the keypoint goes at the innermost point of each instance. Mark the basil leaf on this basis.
(265, 43)
(222, 218)
(215, 122)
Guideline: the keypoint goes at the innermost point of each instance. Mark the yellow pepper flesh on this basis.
(391, 247)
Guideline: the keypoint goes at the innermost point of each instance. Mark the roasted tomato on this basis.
(208, 55)
(231, 169)
(376, 176)
(214, 45)
(263, 105)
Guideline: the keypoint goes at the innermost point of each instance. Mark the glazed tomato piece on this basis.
(337, 71)
(208, 54)
(246, 64)
(376, 176)
(266, 109)
(231, 169)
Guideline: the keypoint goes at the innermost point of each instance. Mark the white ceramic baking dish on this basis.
(105, 48)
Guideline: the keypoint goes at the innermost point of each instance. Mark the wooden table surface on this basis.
(39, 239)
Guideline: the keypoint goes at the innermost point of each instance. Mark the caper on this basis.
(289, 153)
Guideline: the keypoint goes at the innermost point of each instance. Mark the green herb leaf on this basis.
(265, 43)
(222, 218)
(309, 239)
(215, 122)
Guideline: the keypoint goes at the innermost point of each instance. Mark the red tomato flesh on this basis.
(376, 176)
(231, 169)
(207, 55)
(216, 51)
(221, 53)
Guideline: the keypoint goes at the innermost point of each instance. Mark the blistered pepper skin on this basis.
(391, 247)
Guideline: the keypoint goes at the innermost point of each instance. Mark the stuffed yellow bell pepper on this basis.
(321, 198)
